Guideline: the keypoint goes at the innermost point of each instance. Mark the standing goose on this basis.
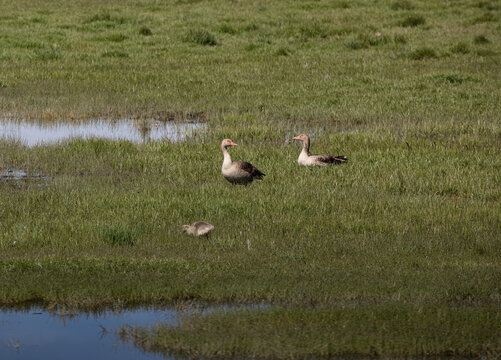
(198, 228)
(237, 172)
(306, 159)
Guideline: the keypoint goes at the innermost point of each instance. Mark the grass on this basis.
(118, 236)
(425, 53)
(405, 233)
(480, 39)
(324, 332)
(201, 37)
(413, 20)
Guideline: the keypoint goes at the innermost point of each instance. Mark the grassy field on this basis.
(396, 253)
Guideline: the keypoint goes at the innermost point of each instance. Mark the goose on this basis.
(306, 159)
(198, 228)
(237, 172)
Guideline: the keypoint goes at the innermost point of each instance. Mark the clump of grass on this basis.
(487, 5)
(115, 53)
(402, 5)
(486, 17)
(227, 29)
(480, 39)
(342, 5)
(251, 47)
(399, 39)
(423, 53)
(115, 38)
(105, 17)
(460, 48)
(201, 37)
(283, 51)
(364, 41)
(485, 52)
(251, 27)
(311, 30)
(47, 55)
(39, 20)
(28, 44)
(145, 31)
(99, 17)
(413, 21)
(452, 78)
(118, 236)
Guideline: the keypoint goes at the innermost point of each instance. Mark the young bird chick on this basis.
(198, 228)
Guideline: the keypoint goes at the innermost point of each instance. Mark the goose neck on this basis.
(226, 155)
(306, 146)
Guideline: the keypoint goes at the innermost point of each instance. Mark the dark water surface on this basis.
(38, 334)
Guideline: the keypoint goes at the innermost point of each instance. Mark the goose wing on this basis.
(328, 159)
(250, 169)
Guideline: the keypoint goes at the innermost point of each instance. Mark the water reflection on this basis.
(37, 334)
(36, 133)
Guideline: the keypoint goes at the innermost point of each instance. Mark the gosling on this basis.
(198, 228)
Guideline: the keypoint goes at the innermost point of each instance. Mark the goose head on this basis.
(227, 142)
(302, 137)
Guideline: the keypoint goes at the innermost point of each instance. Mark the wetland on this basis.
(393, 254)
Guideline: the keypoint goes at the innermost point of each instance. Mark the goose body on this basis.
(198, 228)
(237, 172)
(305, 159)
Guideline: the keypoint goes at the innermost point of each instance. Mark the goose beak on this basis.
(233, 144)
(296, 138)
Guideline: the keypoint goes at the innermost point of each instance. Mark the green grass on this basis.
(201, 37)
(326, 332)
(405, 233)
(413, 20)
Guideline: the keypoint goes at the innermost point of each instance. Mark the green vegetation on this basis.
(414, 20)
(325, 332)
(395, 253)
(423, 53)
(480, 39)
(201, 37)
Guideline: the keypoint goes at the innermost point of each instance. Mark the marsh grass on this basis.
(325, 332)
(486, 17)
(201, 37)
(402, 5)
(413, 21)
(480, 39)
(364, 41)
(406, 232)
(397, 225)
(461, 48)
(118, 235)
(115, 54)
(423, 54)
(145, 31)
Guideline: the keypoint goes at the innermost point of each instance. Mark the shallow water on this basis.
(38, 334)
(14, 174)
(32, 133)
